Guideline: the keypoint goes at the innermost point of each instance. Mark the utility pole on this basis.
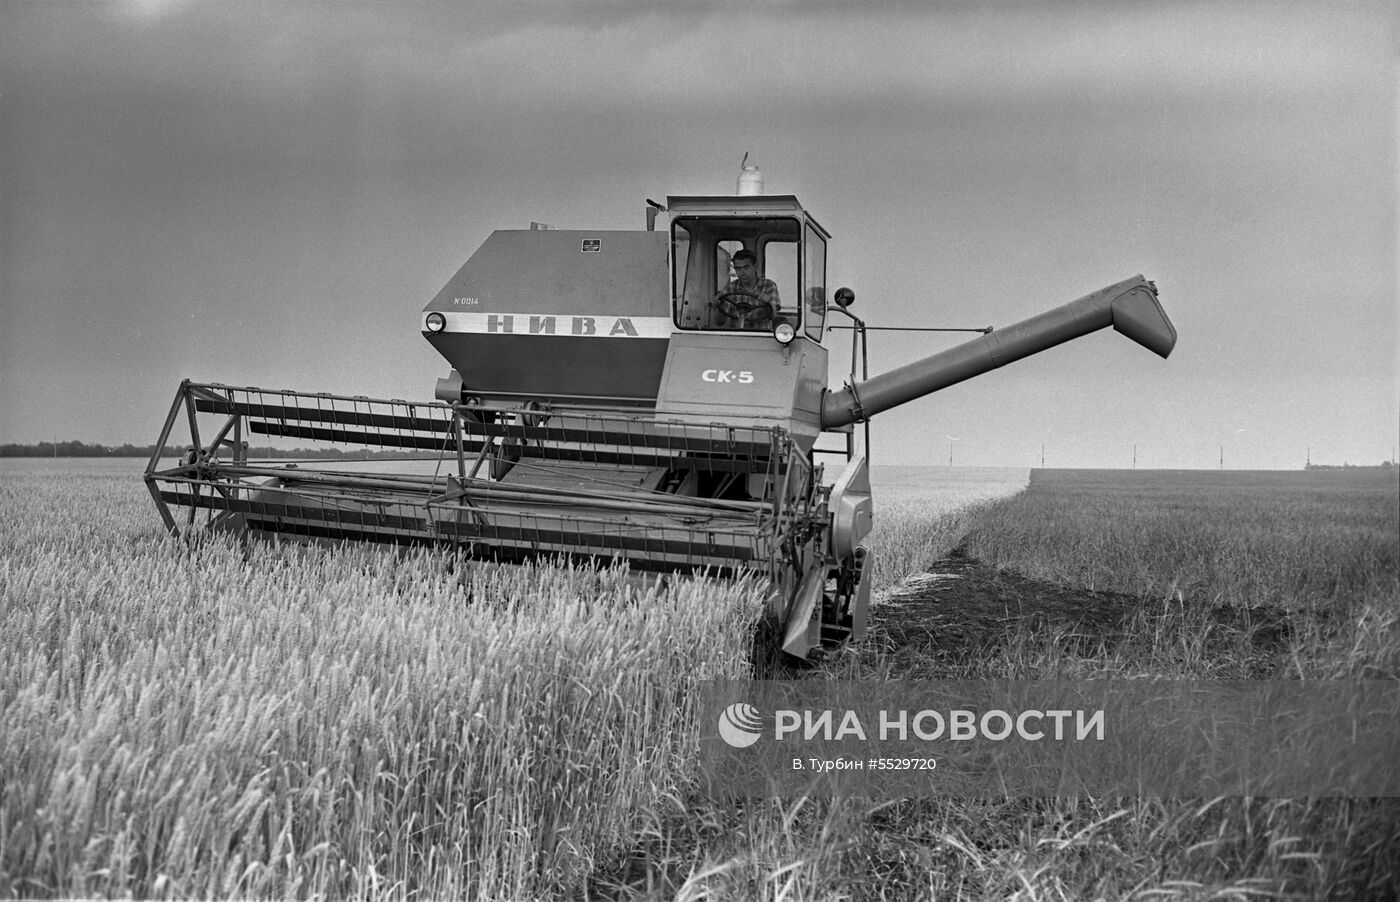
(1135, 455)
(1042, 455)
(1222, 457)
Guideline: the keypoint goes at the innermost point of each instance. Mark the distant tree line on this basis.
(76, 449)
(1385, 464)
(83, 449)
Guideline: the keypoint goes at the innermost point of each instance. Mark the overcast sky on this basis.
(269, 193)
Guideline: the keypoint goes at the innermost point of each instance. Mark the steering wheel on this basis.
(744, 306)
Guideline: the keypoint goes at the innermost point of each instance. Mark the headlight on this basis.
(784, 333)
(436, 322)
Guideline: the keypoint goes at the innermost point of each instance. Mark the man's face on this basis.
(746, 271)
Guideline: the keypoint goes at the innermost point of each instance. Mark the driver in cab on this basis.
(748, 302)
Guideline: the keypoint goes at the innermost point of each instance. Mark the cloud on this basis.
(874, 52)
(366, 76)
(706, 55)
(147, 10)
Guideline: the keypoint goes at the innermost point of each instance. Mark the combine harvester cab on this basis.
(654, 396)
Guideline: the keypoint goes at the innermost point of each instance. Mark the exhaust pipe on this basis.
(1130, 306)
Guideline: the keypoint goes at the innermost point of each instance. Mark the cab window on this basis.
(736, 274)
(814, 283)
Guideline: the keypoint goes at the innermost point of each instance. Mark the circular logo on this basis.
(740, 725)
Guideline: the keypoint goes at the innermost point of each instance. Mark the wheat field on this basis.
(280, 721)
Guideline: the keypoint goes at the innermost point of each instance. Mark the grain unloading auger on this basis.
(644, 395)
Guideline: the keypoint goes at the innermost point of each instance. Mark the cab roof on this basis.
(739, 204)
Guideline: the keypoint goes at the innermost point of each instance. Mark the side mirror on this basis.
(845, 297)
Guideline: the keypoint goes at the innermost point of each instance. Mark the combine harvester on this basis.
(617, 394)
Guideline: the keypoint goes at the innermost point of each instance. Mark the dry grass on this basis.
(923, 513)
(1280, 576)
(1314, 557)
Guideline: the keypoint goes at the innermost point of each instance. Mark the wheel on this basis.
(748, 308)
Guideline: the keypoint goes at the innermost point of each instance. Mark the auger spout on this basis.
(1130, 306)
